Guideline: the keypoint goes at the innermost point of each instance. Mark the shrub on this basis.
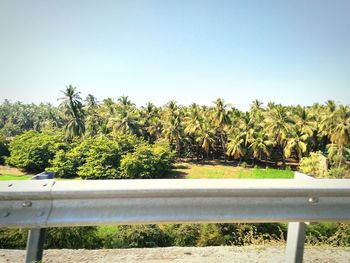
(316, 164)
(13, 238)
(141, 236)
(333, 234)
(101, 160)
(148, 161)
(186, 235)
(210, 235)
(33, 150)
(72, 237)
(338, 172)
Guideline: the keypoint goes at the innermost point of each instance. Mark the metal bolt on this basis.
(5, 214)
(10, 185)
(313, 200)
(27, 204)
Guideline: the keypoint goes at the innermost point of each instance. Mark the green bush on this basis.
(141, 236)
(315, 165)
(72, 238)
(99, 158)
(338, 172)
(186, 235)
(148, 161)
(13, 238)
(102, 160)
(334, 234)
(210, 235)
(32, 151)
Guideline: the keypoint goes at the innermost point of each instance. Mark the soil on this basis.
(227, 254)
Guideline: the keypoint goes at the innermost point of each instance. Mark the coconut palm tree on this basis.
(339, 132)
(236, 146)
(278, 124)
(296, 141)
(73, 113)
(220, 120)
(206, 137)
(124, 121)
(260, 144)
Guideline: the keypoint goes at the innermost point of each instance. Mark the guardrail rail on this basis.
(39, 204)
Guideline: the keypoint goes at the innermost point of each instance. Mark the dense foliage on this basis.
(333, 234)
(4, 151)
(267, 135)
(33, 150)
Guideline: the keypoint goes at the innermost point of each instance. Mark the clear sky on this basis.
(290, 52)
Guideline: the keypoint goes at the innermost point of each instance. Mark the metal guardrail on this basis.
(54, 203)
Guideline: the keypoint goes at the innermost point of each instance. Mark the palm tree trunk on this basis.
(223, 145)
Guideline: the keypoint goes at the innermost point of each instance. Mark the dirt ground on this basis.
(180, 254)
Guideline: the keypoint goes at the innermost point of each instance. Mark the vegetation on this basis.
(274, 134)
(219, 170)
(333, 234)
(33, 150)
(106, 139)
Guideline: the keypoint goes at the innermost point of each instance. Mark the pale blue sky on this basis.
(290, 52)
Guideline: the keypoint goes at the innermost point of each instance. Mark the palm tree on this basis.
(124, 121)
(339, 132)
(235, 146)
(278, 124)
(205, 137)
(304, 121)
(149, 121)
(193, 119)
(220, 120)
(296, 141)
(173, 131)
(94, 120)
(73, 113)
(260, 145)
(124, 101)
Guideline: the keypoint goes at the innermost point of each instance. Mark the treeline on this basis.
(272, 133)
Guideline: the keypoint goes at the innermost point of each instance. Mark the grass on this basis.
(11, 173)
(221, 171)
(14, 177)
(186, 170)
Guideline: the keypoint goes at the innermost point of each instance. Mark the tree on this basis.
(339, 132)
(260, 145)
(148, 161)
(296, 142)
(205, 137)
(278, 124)
(73, 113)
(235, 146)
(220, 120)
(32, 151)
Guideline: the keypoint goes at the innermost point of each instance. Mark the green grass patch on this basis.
(260, 173)
(15, 177)
(224, 171)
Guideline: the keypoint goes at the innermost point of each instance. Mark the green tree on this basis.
(32, 151)
(73, 113)
(278, 124)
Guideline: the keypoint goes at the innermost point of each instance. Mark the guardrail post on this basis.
(36, 236)
(295, 242)
(296, 232)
